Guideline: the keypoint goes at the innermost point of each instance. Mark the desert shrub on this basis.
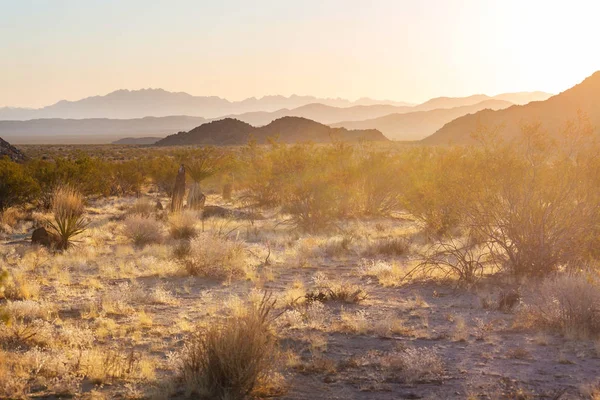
(538, 208)
(391, 247)
(162, 170)
(183, 225)
(10, 217)
(335, 290)
(463, 258)
(16, 185)
(126, 177)
(203, 162)
(68, 220)
(142, 231)
(416, 364)
(143, 207)
(88, 175)
(314, 192)
(380, 184)
(257, 177)
(569, 304)
(233, 358)
(436, 187)
(215, 257)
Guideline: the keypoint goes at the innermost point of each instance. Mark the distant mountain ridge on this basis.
(128, 104)
(419, 124)
(93, 130)
(552, 113)
(231, 131)
(131, 104)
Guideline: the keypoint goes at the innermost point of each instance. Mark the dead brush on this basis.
(142, 231)
(215, 257)
(569, 304)
(234, 358)
(388, 247)
(464, 259)
(342, 291)
(183, 225)
(143, 207)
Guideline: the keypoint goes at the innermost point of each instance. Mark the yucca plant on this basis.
(68, 222)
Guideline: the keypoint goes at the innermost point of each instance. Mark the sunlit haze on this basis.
(397, 49)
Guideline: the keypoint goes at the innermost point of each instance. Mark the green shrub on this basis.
(16, 185)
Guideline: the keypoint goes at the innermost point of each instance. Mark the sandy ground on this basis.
(330, 350)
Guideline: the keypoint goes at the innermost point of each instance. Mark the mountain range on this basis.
(419, 124)
(552, 114)
(131, 104)
(230, 131)
(93, 130)
(128, 104)
(106, 130)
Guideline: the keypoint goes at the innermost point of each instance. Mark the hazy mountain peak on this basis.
(552, 113)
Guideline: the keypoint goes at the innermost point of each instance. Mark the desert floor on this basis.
(106, 319)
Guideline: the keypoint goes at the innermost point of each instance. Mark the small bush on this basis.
(215, 257)
(143, 207)
(231, 359)
(569, 304)
(183, 225)
(142, 231)
(416, 364)
(68, 222)
(335, 290)
(390, 247)
(16, 185)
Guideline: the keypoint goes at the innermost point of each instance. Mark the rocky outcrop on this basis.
(7, 150)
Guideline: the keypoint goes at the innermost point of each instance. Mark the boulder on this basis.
(41, 237)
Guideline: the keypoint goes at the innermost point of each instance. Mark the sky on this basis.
(404, 50)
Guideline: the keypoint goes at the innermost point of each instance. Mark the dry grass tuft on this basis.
(215, 257)
(142, 231)
(143, 207)
(183, 225)
(569, 304)
(233, 359)
(415, 364)
(389, 247)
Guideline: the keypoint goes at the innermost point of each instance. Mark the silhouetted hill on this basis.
(7, 150)
(127, 104)
(93, 130)
(226, 131)
(552, 114)
(417, 125)
(231, 131)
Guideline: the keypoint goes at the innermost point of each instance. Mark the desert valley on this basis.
(156, 244)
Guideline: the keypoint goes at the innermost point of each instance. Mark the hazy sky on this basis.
(393, 49)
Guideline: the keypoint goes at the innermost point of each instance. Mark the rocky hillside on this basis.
(231, 131)
(553, 114)
(7, 150)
